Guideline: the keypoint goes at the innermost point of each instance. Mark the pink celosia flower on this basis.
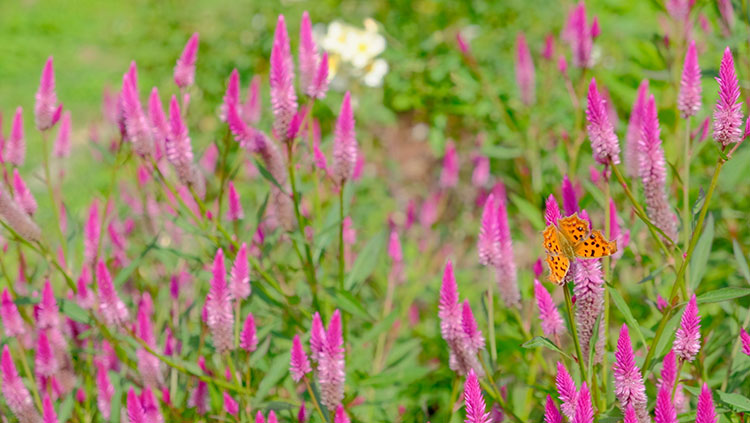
(629, 388)
(634, 133)
(46, 109)
(12, 321)
(235, 211)
(668, 370)
(272, 417)
(728, 113)
(104, 389)
(137, 126)
(148, 364)
(62, 142)
(110, 306)
(570, 202)
(302, 414)
(159, 124)
(135, 411)
(344, 143)
(475, 406)
(488, 241)
(308, 56)
(689, 100)
(231, 96)
(150, 406)
(744, 337)
(239, 280)
(331, 374)
(259, 418)
(317, 337)
(566, 391)
(630, 415)
(48, 410)
(687, 341)
(449, 174)
(664, 412)
(524, 70)
(210, 158)
(91, 233)
(552, 211)
(552, 323)
(219, 307)
(248, 336)
(319, 84)
(15, 147)
(652, 171)
(283, 97)
(299, 365)
(481, 173)
(661, 303)
(15, 394)
(47, 313)
(578, 34)
(45, 362)
(184, 70)
(340, 416)
(462, 357)
(473, 339)
(589, 293)
(250, 110)
(595, 30)
(549, 47)
(24, 197)
(584, 410)
(551, 413)
(705, 412)
(180, 150)
(538, 268)
(230, 405)
(505, 269)
(604, 142)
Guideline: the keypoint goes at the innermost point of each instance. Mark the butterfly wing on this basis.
(573, 228)
(558, 268)
(551, 240)
(595, 245)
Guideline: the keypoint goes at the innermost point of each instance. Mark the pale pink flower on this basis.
(604, 142)
(551, 211)
(135, 411)
(62, 142)
(137, 126)
(184, 70)
(250, 110)
(488, 241)
(728, 113)
(505, 269)
(15, 394)
(308, 55)
(199, 398)
(91, 233)
(589, 292)
(475, 406)
(231, 96)
(12, 322)
(552, 323)
(473, 339)
(449, 174)
(248, 335)
(319, 84)
(239, 280)
(219, 307)
(210, 158)
(24, 197)
(179, 150)
(317, 337)
(283, 96)
(689, 100)
(148, 364)
(344, 143)
(113, 310)
(46, 109)
(235, 211)
(566, 391)
(578, 34)
(629, 388)
(481, 174)
(687, 341)
(47, 312)
(331, 373)
(104, 389)
(299, 365)
(15, 146)
(45, 362)
(525, 78)
(159, 123)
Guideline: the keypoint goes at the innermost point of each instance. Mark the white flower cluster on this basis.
(352, 52)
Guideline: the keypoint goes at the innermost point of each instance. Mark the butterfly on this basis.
(571, 238)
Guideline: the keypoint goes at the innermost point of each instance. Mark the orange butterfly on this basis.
(569, 239)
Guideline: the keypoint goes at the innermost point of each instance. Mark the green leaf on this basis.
(736, 401)
(66, 409)
(266, 174)
(722, 294)
(74, 311)
(702, 250)
(366, 261)
(262, 209)
(500, 152)
(540, 341)
(741, 261)
(666, 341)
(279, 367)
(126, 272)
(624, 309)
(592, 344)
(350, 304)
(530, 211)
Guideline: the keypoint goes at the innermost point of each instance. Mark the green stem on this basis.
(55, 207)
(454, 397)
(574, 332)
(734, 353)
(686, 196)
(491, 322)
(29, 375)
(314, 399)
(342, 259)
(607, 277)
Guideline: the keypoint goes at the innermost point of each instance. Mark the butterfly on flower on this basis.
(571, 238)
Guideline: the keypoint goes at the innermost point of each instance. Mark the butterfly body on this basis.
(570, 238)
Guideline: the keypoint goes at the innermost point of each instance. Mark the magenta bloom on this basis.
(231, 96)
(230, 405)
(449, 174)
(91, 233)
(15, 394)
(159, 124)
(604, 142)
(283, 97)
(104, 389)
(488, 241)
(48, 410)
(744, 337)
(462, 352)
(566, 391)
(48, 314)
(46, 109)
(219, 307)
(629, 388)
(481, 173)
(184, 70)
(728, 113)
(317, 337)
(239, 278)
(15, 147)
(299, 365)
(552, 211)
(24, 197)
(687, 341)
(475, 406)
(689, 100)
(62, 142)
(272, 417)
(633, 135)
(45, 362)
(669, 370)
(505, 269)
(473, 339)
(331, 373)
(589, 292)
(340, 415)
(630, 415)
(110, 306)
(584, 410)
(235, 211)
(319, 85)
(12, 321)
(664, 412)
(551, 413)
(705, 412)
(313, 70)
(525, 71)
(570, 202)
(652, 171)
(178, 145)
(344, 143)
(578, 34)
(137, 127)
(552, 323)
(250, 110)
(136, 414)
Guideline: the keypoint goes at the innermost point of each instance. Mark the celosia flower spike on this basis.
(473, 336)
(551, 413)
(15, 147)
(344, 143)
(669, 370)
(566, 391)
(728, 113)
(584, 410)
(45, 362)
(331, 374)
(552, 323)
(239, 280)
(340, 416)
(448, 309)
(552, 211)
(604, 142)
(570, 202)
(12, 321)
(230, 405)
(48, 410)
(705, 412)
(308, 55)
(283, 96)
(104, 389)
(272, 417)
(488, 241)
(251, 109)
(317, 337)
(319, 84)
(62, 142)
(744, 337)
(219, 306)
(159, 123)
(249, 336)
(232, 95)
(184, 70)
(235, 211)
(634, 133)
(475, 406)
(687, 341)
(110, 306)
(664, 412)
(136, 414)
(48, 313)
(15, 394)
(259, 418)
(505, 269)
(629, 388)
(46, 109)
(524, 70)
(137, 127)
(578, 34)
(689, 99)
(179, 147)
(299, 365)
(589, 291)
(24, 197)
(630, 415)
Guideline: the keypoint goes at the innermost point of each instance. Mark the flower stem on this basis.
(342, 259)
(574, 332)
(27, 370)
(55, 207)
(686, 197)
(607, 277)
(314, 399)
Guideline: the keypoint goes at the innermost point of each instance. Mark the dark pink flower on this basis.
(744, 337)
(104, 389)
(664, 412)
(728, 113)
(219, 306)
(15, 394)
(45, 362)
(689, 100)
(47, 312)
(24, 197)
(235, 211)
(331, 373)
(344, 143)
(604, 142)
(570, 202)
(525, 71)
(46, 109)
(283, 96)
(248, 336)
(629, 388)
(705, 412)
(549, 47)
(48, 410)
(91, 233)
(578, 34)
(687, 341)
(552, 211)
(340, 416)
(184, 70)
(12, 322)
(110, 306)
(475, 405)
(230, 405)
(310, 64)
(566, 391)
(239, 280)
(299, 365)
(584, 409)
(589, 293)
(551, 413)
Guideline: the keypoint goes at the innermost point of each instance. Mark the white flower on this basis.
(337, 37)
(375, 73)
(365, 47)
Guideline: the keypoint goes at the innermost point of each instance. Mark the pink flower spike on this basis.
(744, 337)
(15, 146)
(331, 373)
(136, 414)
(473, 336)
(505, 268)
(344, 143)
(137, 127)
(664, 412)
(235, 211)
(45, 362)
(299, 365)
(24, 197)
(184, 70)
(110, 306)
(46, 109)
(687, 341)
(48, 410)
(248, 336)
(449, 174)
(633, 135)
(552, 323)
(283, 96)
(566, 391)
(319, 85)
(595, 30)
(570, 202)
(584, 410)
(302, 414)
(250, 111)
(705, 412)
(448, 309)
(259, 418)
(104, 389)
(91, 233)
(630, 415)
(475, 406)
(551, 413)
(552, 211)
(158, 119)
(689, 100)
(272, 417)
(219, 306)
(488, 241)
(538, 268)
(578, 35)
(728, 113)
(669, 370)
(239, 281)
(317, 337)
(12, 321)
(178, 145)
(15, 394)
(232, 95)
(62, 142)
(604, 142)
(549, 47)
(243, 134)
(629, 388)
(308, 56)
(661, 303)
(525, 71)
(230, 405)
(48, 315)
(340, 415)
